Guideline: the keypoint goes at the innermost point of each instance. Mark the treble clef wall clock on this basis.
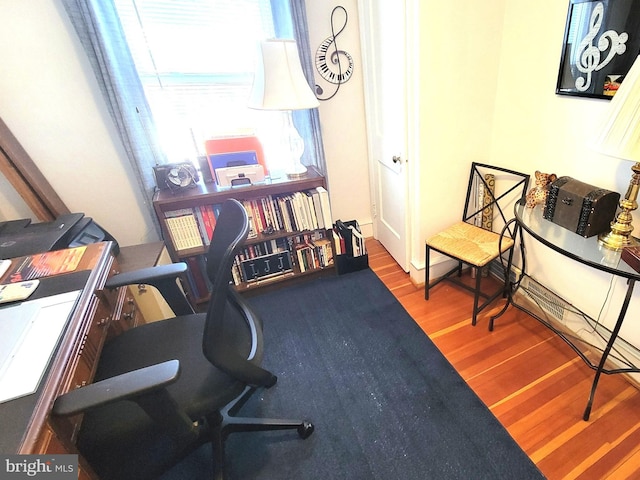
(331, 67)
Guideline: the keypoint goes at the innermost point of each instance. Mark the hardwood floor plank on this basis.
(534, 383)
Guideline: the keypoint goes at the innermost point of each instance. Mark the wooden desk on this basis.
(27, 427)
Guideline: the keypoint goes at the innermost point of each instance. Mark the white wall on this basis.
(460, 59)
(518, 122)
(342, 118)
(535, 129)
(51, 102)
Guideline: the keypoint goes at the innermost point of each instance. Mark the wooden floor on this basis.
(531, 380)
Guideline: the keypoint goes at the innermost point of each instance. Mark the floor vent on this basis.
(587, 334)
(545, 299)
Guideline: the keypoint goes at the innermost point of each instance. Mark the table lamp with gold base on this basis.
(620, 138)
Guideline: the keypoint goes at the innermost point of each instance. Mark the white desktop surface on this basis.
(29, 334)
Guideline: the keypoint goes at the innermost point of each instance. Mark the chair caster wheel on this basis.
(305, 430)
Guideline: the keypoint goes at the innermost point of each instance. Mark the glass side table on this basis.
(603, 344)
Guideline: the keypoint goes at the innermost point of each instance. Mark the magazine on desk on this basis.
(44, 265)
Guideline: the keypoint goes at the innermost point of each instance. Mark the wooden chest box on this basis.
(580, 207)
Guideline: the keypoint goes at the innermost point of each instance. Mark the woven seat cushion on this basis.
(473, 245)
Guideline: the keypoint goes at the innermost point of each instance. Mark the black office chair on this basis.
(485, 233)
(163, 389)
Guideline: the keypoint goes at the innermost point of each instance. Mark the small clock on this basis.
(323, 66)
(175, 176)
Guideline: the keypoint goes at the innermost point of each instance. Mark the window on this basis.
(195, 59)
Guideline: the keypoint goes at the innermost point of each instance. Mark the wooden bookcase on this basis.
(310, 250)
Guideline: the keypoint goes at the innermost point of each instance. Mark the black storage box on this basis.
(350, 260)
(580, 207)
(348, 263)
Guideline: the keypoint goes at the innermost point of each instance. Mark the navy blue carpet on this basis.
(385, 402)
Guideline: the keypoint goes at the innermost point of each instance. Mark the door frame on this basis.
(413, 239)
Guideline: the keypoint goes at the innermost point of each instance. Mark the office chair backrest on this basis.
(231, 230)
(229, 319)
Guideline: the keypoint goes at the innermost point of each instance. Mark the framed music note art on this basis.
(601, 42)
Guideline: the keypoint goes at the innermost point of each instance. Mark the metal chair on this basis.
(484, 234)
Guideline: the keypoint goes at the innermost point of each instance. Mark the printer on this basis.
(21, 237)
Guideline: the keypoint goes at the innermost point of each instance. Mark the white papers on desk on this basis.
(29, 334)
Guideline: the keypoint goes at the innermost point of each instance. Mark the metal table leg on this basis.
(605, 354)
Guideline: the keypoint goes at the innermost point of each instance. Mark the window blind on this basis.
(196, 60)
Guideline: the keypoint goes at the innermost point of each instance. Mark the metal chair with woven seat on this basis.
(475, 240)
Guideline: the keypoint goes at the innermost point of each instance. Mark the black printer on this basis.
(21, 237)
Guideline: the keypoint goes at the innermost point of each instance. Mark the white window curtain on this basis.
(100, 30)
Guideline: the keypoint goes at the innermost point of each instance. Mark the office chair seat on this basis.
(473, 245)
(118, 438)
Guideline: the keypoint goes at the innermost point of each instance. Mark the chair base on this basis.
(227, 423)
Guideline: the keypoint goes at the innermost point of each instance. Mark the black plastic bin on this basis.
(347, 262)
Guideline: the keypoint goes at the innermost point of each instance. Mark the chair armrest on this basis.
(146, 387)
(147, 275)
(121, 387)
(162, 277)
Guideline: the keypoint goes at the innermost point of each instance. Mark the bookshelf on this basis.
(290, 231)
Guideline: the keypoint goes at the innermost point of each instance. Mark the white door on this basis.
(383, 31)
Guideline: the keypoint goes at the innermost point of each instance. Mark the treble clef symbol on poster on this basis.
(328, 62)
(588, 55)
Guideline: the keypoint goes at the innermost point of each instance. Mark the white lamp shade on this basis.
(279, 83)
(620, 133)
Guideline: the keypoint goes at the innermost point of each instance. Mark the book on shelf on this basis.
(312, 250)
(253, 231)
(198, 275)
(325, 206)
(291, 212)
(317, 207)
(206, 222)
(183, 228)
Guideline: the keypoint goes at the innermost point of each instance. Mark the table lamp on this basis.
(620, 138)
(279, 84)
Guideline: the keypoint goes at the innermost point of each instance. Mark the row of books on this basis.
(276, 258)
(267, 260)
(312, 251)
(292, 212)
(295, 212)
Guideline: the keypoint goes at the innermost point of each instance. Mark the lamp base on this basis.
(297, 171)
(616, 241)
